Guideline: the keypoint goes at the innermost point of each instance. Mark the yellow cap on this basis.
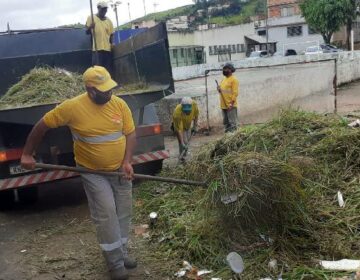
(99, 78)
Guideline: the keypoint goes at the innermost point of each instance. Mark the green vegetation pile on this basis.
(45, 85)
(42, 86)
(285, 175)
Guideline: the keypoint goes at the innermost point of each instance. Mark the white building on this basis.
(220, 44)
(178, 23)
(291, 32)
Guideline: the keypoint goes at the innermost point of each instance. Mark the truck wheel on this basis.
(7, 199)
(149, 168)
(28, 195)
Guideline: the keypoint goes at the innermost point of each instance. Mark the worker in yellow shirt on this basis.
(102, 30)
(185, 114)
(104, 139)
(229, 91)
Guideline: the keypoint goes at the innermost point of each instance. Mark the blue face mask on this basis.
(187, 109)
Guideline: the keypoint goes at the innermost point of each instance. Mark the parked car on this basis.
(323, 48)
(290, 52)
(327, 48)
(314, 50)
(259, 54)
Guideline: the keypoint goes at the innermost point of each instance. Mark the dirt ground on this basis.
(55, 239)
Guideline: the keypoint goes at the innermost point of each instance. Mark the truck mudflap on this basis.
(48, 176)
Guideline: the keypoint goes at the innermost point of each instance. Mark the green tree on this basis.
(325, 16)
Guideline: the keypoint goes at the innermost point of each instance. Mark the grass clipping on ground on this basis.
(285, 175)
(45, 85)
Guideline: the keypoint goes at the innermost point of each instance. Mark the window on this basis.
(182, 52)
(216, 50)
(243, 48)
(261, 32)
(211, 50)
(287, 11)
(240, 48)
(312, 31)
(294, 31)
(233, 49)
(175, 53)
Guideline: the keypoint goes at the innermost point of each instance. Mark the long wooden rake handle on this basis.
(136, 176)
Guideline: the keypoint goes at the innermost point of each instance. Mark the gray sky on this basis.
(29, 14)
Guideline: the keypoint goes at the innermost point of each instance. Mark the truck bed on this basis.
(30, 115)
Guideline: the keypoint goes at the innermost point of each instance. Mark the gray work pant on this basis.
(230, 119)
(186, 136)
(110, 203)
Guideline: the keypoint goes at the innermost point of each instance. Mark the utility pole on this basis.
(144, 7)
(115, 8)
(266, 23)
(129, 10)
(155, 5)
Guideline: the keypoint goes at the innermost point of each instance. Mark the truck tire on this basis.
(28, 195)
(149, 168)
(7, 199)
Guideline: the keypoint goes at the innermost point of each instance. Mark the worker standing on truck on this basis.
(101, 28)
(185, 114)
(229, 91)
(104, 139)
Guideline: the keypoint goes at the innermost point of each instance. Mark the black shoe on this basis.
(119, 274)
(130, 263)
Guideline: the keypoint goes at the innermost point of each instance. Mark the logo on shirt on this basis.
(116, 119)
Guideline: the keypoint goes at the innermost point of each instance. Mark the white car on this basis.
(314, 50)
(323, 48)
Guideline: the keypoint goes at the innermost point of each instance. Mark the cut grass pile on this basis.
(285, 174)
(45, 85)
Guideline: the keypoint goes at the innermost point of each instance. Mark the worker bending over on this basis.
(184, 115)
(104, 139)
(229, 91)
(102, 30)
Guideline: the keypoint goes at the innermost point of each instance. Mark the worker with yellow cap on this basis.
(104, 139)
(185, 119)
(101, 28)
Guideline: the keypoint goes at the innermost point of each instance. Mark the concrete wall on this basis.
(263, 91)
(274, 83)
(348, 65)
(177, 39)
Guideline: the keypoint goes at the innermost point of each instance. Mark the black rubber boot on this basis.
(130, 263)
(119, 274)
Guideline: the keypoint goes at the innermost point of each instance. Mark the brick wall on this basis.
(275, 6)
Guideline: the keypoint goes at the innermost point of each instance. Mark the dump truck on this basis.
(143, 58)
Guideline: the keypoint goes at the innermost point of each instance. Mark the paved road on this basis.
(55, 239)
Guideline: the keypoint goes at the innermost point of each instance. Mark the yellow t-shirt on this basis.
(87, 119)
(182, 121)
(103, 30)
(230, 91)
